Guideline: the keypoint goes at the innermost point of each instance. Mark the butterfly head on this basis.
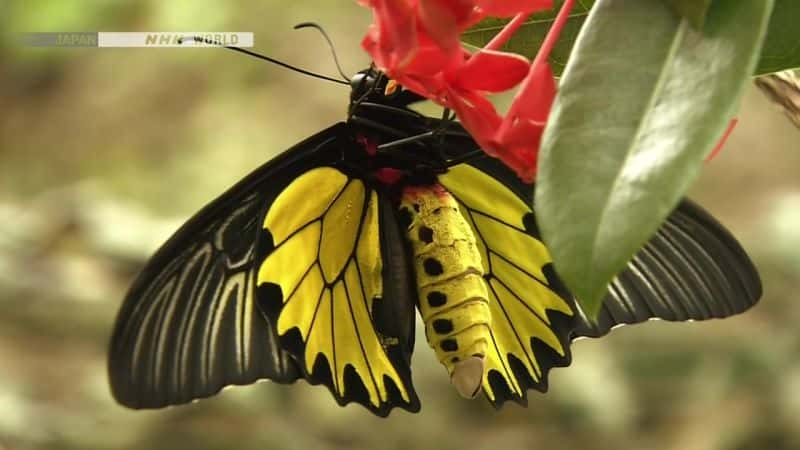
(369, 84)
(373, 86)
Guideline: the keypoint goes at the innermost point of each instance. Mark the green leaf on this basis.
(644, 99)
(782, 45)
(527, 40)
(781, 50)
(692, 10)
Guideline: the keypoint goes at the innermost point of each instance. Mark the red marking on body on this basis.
(388, 175)
(414, 192)
(385, 175)
(369, 145)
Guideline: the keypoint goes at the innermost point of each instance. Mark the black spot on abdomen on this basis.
(443, 326)
(436, 299)
(432, 267)
(449, 345)
(425, 234)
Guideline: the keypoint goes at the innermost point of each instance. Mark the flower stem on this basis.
(507, 31)
(552, 35)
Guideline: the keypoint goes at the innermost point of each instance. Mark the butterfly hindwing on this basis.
(691, 269)
(322, 284)
(208, 309)
(531, 317)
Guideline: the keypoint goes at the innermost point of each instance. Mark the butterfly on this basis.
(314, 267)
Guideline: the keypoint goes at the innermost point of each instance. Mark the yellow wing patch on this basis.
(326, 261)
(521, 299)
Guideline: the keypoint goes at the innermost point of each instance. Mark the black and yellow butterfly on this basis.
(313, 265)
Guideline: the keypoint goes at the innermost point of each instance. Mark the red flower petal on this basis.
(510, 8)
(444, 20)
(431, 59)
(392, 40)
(477, 115)
(523, 159)
(530, 107)
(491, 71)
(516, 141)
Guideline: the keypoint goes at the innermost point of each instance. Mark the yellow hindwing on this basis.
(326, 261)
(521, 298)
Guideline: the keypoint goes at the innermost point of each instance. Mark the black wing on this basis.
(691, 269)
(190, 324)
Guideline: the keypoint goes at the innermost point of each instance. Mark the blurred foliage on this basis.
(783, 88)
(103, 152)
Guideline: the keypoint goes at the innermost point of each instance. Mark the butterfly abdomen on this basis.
(453, 299)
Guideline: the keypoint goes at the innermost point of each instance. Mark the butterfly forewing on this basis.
(190, 323)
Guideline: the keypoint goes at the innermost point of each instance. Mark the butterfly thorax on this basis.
(394, 142)
(386, 135)
(452, 295)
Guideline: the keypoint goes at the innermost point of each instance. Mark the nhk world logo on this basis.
(178, 39)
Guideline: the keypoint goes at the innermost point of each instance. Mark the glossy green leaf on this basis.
(782, 45)
(692, 10)
(529, 37)
(642, 102)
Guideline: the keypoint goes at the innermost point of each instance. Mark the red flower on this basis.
(433, 66)
(391, 40)
(510, 8)
(444, 21)
(417, 43)
(520, 133)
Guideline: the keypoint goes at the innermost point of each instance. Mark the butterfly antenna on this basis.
(262, 57)
(330, 45)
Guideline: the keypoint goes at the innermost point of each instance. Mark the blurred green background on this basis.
(104, 152)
